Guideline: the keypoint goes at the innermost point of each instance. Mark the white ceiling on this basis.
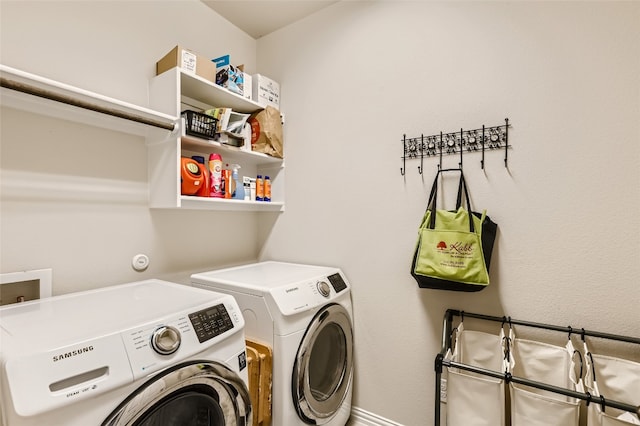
(259, 18)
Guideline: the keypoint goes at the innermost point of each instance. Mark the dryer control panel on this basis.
(304, 295)
(337, 282)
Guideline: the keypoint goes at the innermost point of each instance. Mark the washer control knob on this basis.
(323, 288)
(165, 340)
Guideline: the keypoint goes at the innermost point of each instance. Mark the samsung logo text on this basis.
(72, 353)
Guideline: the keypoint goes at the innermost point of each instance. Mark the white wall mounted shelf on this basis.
(196, 87)
(174, 91)
(161, 126)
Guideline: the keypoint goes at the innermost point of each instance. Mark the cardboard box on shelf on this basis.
(189, 61)
(229, 76)
(266, 91)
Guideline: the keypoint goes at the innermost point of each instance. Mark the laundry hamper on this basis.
(613, 378)
(548, 364)
(473, 399)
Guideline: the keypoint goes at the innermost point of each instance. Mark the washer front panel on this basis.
(49, 378)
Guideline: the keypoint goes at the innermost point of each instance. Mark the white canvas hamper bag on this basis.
(474, 399)
(616, 379)
(549, 364)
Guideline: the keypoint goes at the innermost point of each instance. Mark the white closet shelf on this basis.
(204, 203)
(194, 143)
(95, 109)
(194, 86)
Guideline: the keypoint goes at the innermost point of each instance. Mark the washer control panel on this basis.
(156, 345)
(211, 322)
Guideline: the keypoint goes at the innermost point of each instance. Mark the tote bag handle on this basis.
(431, 205)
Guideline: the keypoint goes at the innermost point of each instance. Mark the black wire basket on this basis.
(199, 124)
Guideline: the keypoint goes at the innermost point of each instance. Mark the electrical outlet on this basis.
(443, 390)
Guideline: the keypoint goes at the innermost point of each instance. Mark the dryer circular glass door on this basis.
(323, 367)
(192, 393)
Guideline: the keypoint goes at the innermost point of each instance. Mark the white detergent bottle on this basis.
(215, 171)
(238, 193)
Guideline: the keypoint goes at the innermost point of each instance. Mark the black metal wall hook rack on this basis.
(476, 140)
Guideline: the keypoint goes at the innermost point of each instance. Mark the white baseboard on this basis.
(360, 417)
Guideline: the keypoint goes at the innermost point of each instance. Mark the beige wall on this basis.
(355, 77)
(74, 197)
(358, 75)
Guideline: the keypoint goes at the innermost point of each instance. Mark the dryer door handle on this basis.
(323, 316)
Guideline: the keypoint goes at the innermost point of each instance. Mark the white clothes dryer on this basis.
(304, 313)
(144, 353)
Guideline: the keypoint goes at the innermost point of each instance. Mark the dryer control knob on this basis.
(165, 340)
(323, 288)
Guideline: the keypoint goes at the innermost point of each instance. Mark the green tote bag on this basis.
(450, 251)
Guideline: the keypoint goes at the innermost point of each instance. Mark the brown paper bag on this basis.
(266, 132)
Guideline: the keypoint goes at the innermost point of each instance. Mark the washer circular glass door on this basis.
(192, 393)
(323, 367)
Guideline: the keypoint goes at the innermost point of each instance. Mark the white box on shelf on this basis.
(248, 86)
(266, 91)
(246, 135)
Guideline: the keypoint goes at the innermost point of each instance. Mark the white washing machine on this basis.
(305, 314)
(145, 353)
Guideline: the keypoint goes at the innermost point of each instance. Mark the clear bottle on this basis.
(267, 189)
(238, 194)
(259, 188)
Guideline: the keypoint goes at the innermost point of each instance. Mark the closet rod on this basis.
(32, 90)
